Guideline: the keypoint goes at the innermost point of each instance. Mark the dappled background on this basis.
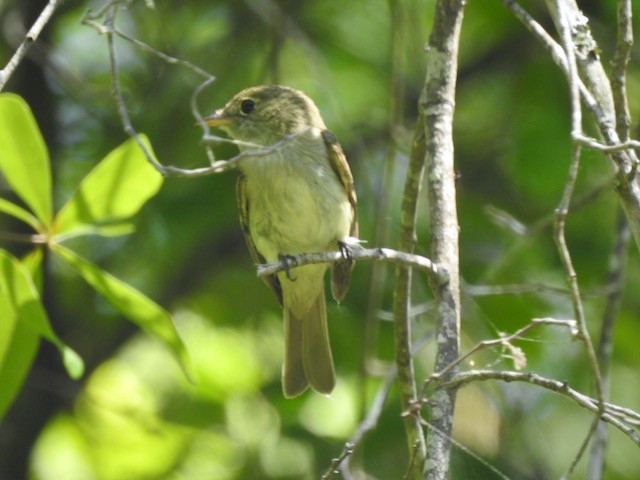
(135, 416)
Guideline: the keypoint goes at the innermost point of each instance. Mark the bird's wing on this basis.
(341, 271)
(339, 164)
(243, 207)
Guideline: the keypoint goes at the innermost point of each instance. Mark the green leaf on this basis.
(26, 299)
(138, 308)
(18, 346)
(24, 159)
(23, 321)
(33, 263)
(20, 213)
(116, 230)
(113, 191)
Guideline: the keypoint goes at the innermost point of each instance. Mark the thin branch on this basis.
(336, 462)
(514, 289)
(470, 453)
(110, 29)
(605, 345)
(624, 42)
(374, 254)
(503, 340)
(533, 287)
(402, 287)
(384, 190)
(215, 166)
(31, 36)
(599, 100)
(565, 20)
(610, 414)
(601, 147)
(371, 420)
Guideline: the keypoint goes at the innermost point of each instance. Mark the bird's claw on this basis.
(345, 250)
(288, 262)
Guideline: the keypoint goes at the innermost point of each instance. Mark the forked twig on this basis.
(31, 36)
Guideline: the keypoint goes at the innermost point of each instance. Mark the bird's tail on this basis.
(307, 359)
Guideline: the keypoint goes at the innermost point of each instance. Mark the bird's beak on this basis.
(217, 119)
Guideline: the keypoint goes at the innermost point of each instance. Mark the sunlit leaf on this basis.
(18, 212)
(18, 344)
(23, 322)
(113, 191)
(24, 297)
(138, 308)
(24, 159)
(33, 262)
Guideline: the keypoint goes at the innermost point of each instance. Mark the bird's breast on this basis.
(296, 203)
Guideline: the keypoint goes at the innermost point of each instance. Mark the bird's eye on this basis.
(247, 106)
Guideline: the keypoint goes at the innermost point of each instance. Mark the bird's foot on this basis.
(348, 246)
(346, 250)
(288, 262)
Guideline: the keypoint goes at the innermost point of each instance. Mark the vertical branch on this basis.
(566, 19)
(402, 292)
(439, 95)
(562, 18)
(605, 346)
(624, 42)
(381, 235)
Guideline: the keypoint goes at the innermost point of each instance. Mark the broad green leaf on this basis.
(113, 191)
(20, 213)
(24, 296)
(138, 308)
(18, 346)
(24, 159)
(23, 321)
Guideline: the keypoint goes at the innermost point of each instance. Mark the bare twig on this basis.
(624, 42)
(107, 13)
(371, 420)
(384, 189)
(31, 36)
(375, 254)
(533, 287)
(611, 412)
(215, 166)
(503, 340)
(605, 345)
(335, 463)
(566, 20)
(402, 288)
(110, 29)
(599, 100)
(470, 453)
(592, 143)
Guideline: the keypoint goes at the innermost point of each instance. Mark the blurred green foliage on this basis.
(135, 416)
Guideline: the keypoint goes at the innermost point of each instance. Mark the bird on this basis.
(295, 195)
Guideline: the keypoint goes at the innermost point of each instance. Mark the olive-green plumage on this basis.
(297, 198)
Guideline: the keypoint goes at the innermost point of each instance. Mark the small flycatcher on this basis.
(296, 198)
